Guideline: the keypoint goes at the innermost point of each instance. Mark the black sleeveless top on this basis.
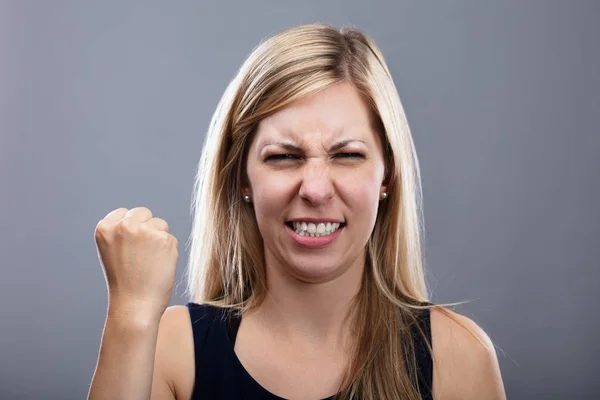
(221, 376)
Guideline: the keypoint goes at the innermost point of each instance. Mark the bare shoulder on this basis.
(464, 357)
(174, 359)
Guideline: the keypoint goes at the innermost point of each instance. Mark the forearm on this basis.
(126, 359)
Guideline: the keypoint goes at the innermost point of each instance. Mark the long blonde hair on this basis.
(226, 264)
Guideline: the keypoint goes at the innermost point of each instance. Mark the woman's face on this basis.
(316, 172)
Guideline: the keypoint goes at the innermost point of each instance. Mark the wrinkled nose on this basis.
(317, 186)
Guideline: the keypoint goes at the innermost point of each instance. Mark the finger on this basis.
(158, 224)
(139, 214)
(115, 215)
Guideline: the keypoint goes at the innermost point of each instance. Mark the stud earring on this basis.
(383, 195)
(247, 198)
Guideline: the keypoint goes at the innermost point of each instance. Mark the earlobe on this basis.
(246, 195)
(383, 194)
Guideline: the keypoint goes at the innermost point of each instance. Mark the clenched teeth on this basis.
(311, 229)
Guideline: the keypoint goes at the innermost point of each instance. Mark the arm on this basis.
(126, 361)
(465, 361)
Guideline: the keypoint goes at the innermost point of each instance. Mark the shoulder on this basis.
(464, 357)
(174, 357)
(181, 329)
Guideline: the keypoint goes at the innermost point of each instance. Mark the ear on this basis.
(385, 184)
(389, 179)
(245, 184)
(383, 193)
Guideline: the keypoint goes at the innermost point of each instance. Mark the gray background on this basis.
(105, 105)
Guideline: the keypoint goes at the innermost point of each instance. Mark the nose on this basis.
(317, 186)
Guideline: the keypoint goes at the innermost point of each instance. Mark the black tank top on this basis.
(221, 376)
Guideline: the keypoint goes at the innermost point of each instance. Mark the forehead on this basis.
(334, 113)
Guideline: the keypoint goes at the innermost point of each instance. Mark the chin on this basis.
(311, 272)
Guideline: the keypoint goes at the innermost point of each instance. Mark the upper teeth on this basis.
(311, 229)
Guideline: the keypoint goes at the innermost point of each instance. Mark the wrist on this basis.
(135, 311)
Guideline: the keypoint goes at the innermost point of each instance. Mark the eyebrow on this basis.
(295, 148)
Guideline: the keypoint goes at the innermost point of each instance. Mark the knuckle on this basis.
(164, 223)
(141, 209)
(127, 227)
(100, 225)
(169, 239)
(158, 224)
(147, 231)
(98, 232)
(102, 229)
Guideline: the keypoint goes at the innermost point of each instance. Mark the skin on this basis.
(316, 180)
(295, 344)
(317, 158)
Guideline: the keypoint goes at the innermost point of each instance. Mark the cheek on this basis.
(270, 192)
(361, 189)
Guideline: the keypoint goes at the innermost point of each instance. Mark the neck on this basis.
(316, 312)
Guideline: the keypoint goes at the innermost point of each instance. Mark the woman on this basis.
(305, 273)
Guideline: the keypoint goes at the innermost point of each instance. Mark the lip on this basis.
(316, 220)
(317, 242)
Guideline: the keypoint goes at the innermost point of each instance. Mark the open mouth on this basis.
(313, 229)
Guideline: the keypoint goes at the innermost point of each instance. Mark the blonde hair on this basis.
(226, 265)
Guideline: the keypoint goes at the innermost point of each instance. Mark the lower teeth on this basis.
(305, 233)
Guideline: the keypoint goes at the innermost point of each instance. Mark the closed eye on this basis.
(286, 156)
(289, 156)
(349, 155)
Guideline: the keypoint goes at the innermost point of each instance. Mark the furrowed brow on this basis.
(284, 144)
(343, 143)
(295, 148)
(289, 147)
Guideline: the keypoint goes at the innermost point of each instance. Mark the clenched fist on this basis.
(139, 259)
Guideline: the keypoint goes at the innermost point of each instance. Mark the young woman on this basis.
(305, 276)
